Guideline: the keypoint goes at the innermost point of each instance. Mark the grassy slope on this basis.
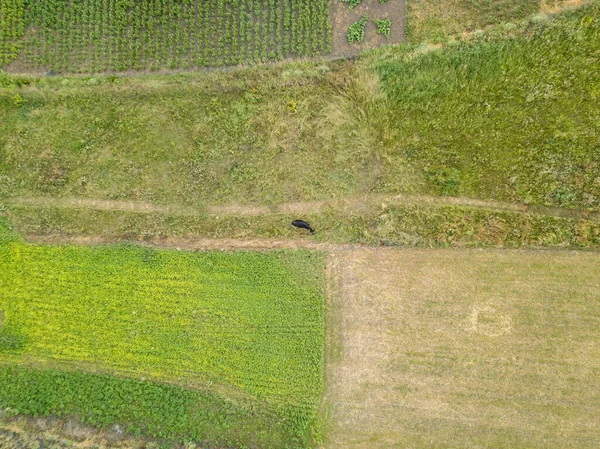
(509, 116)
(248, 326)
(436, 21)
(510, 119)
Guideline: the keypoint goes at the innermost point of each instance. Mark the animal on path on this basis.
(302, 224)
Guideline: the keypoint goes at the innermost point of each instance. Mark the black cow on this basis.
(302, 224)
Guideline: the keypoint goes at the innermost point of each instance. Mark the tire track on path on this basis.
(349, 204)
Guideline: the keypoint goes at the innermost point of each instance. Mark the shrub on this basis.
(356, 31)
(384, 27)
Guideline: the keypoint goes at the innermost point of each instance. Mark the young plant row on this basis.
(118, 35)
(12, 26)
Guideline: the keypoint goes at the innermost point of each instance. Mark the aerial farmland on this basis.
(299, 224)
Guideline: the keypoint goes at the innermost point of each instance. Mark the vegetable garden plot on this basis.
(245, 331)
(81, 36)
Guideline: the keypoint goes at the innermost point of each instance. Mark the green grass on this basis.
(436, 20)
(238, 337)
(91, 36)
(372, 224)
(510, 115)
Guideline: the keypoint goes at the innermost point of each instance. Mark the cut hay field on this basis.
(224, 349)
(464, 349)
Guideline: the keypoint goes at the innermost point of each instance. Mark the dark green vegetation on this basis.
(351, 3)
(141, 408)
(356, 31)
(384, 26)
(509, 115)
(95, 333)
(88, 36)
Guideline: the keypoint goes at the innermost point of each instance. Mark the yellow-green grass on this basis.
(465, 348)
(233, 334)
(437, 20)
(510, 115)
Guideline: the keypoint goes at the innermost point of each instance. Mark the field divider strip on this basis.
(348, 204)
(191, 244)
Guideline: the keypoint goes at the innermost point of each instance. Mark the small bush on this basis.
(384, 26)
(356, 31)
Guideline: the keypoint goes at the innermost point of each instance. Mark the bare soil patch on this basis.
(342, 16)
(464, 348)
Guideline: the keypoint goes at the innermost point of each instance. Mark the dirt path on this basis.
(194, 244)
(310, 207)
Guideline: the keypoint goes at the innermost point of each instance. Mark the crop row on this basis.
(117, 35)
(12, 27)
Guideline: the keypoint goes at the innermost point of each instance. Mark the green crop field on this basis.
(115, 35)
(217, 348)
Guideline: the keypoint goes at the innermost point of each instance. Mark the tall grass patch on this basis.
(508, 115)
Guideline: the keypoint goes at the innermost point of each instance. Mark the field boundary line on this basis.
(193, 244)
(348, 204)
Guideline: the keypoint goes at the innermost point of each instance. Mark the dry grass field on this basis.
(464, 349)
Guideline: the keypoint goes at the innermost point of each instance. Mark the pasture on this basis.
(217, 348)
(464, 348)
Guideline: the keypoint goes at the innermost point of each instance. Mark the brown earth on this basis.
(190, 244)
(342, 16)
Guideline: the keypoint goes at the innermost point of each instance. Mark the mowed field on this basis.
(116, 35)
(223, 349)
(464, 349)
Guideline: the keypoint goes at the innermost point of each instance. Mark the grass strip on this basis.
(398, 224)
